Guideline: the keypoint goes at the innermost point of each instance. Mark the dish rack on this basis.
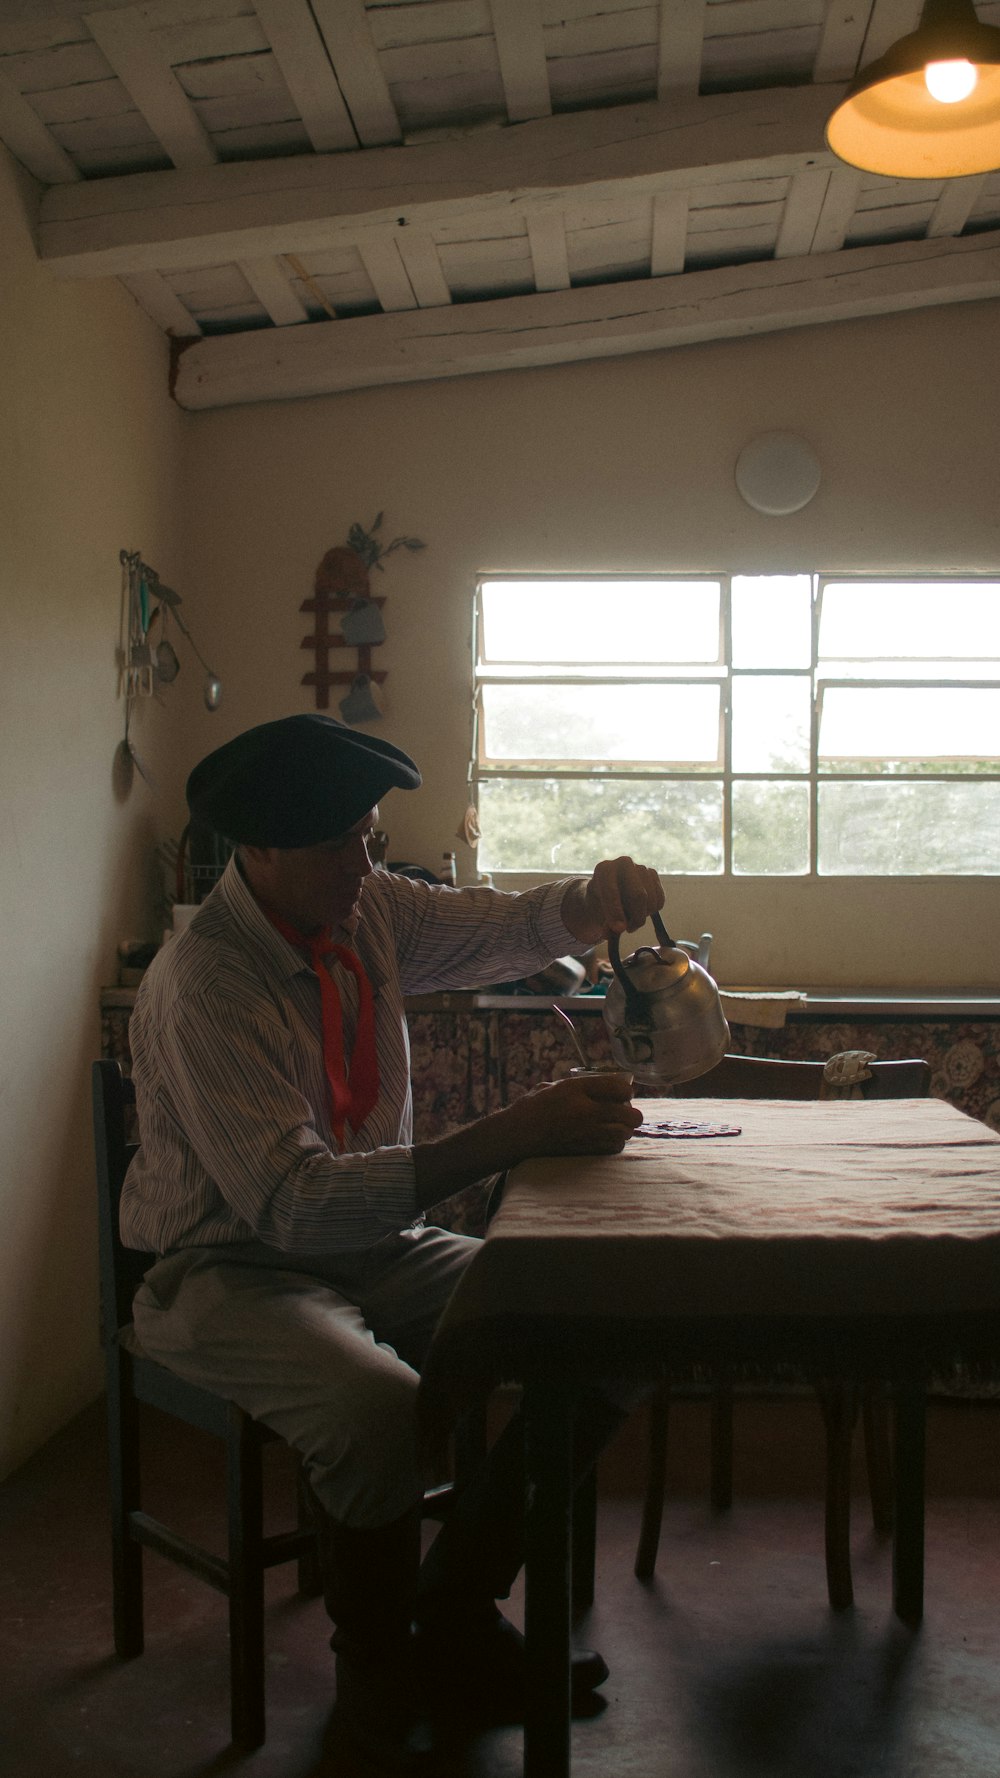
(202, 856)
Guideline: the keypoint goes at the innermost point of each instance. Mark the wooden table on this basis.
(855, 1239)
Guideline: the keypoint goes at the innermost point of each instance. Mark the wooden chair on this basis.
(754, 1077)
(134, 1379)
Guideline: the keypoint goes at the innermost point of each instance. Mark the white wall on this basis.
(89, 450)
(620, 465)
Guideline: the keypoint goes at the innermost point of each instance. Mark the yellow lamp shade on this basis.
(889, 121)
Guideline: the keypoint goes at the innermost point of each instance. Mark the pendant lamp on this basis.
(930, 107)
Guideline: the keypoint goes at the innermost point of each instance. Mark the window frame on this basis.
(724, 674)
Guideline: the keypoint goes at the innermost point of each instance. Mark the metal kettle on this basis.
(663, 1013)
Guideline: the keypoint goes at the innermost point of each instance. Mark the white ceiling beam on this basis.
(955, 205)
(270, 286)
(681, 41)
(517, 28)
(890, 20)
(670, 227)
(162, 305)
(597, 321)
(839, 204)
(15, 13)
(249, 209)
(423, 267)
(547, 240)
(30, 140)
(380, 258)
(348, 40)
(802, 211)
(132, 50)
(841, 40)
(299, 51)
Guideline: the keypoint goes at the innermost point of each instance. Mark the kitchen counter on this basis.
(472, 1053)
(818, 1002)
(828, 1002)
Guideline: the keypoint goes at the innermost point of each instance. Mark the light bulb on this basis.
(949, 82)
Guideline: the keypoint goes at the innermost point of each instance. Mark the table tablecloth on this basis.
(815, 1211)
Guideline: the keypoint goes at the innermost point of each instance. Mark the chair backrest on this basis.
(760, 1077)
(121, 1268)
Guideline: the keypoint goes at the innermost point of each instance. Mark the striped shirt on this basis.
(227, 1057)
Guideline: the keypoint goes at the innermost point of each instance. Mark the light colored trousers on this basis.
(326, 1352)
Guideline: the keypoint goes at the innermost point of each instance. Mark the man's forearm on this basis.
(589, 1114)
(451, 1162)
(575, 915)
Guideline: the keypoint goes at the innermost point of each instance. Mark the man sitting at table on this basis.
(278, 1181)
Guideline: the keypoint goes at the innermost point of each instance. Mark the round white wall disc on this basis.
(777, 473)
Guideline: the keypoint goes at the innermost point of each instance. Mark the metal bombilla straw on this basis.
(567, 1021)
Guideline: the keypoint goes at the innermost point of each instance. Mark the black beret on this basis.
(295, 782)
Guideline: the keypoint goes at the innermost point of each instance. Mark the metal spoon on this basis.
(567, 1021)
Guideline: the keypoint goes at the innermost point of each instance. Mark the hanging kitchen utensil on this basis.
(165, 658)
(212, 689)
(166, 662)
(359, 705)
(363, 625)
(137, 663)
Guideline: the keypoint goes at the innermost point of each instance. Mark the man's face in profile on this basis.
(313, 886)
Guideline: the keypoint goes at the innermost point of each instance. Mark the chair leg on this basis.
(839, 1405)
(126, 1553)
(878, 1454)
(471, 1441)
(908, 1530)
(656, 1483)
(721, 1485)
(584, 1542)
(246, 1580)
(309, 1574)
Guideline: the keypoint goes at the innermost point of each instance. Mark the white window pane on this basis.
(772, 620)
(892, 828)
(930, 622)
(671, 725)
(770, 829)
(771, 724)
(951, 726)
(571, 824)
(579, 621)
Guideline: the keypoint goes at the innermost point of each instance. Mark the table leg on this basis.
(908, 1528)
(548, 1449)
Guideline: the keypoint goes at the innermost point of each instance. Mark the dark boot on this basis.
(470, 1659)
(468, 1652)
(369, 1586)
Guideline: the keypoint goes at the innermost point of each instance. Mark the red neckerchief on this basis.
(351, 1097)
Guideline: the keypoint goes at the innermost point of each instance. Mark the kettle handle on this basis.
(661, 931)
(633, 998)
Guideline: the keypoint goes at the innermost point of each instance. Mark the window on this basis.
(774, 725)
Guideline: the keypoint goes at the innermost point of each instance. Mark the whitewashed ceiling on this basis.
(325, 196)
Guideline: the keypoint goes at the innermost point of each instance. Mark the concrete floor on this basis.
(730, 1665)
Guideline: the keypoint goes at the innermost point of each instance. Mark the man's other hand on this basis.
(586, 1114)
